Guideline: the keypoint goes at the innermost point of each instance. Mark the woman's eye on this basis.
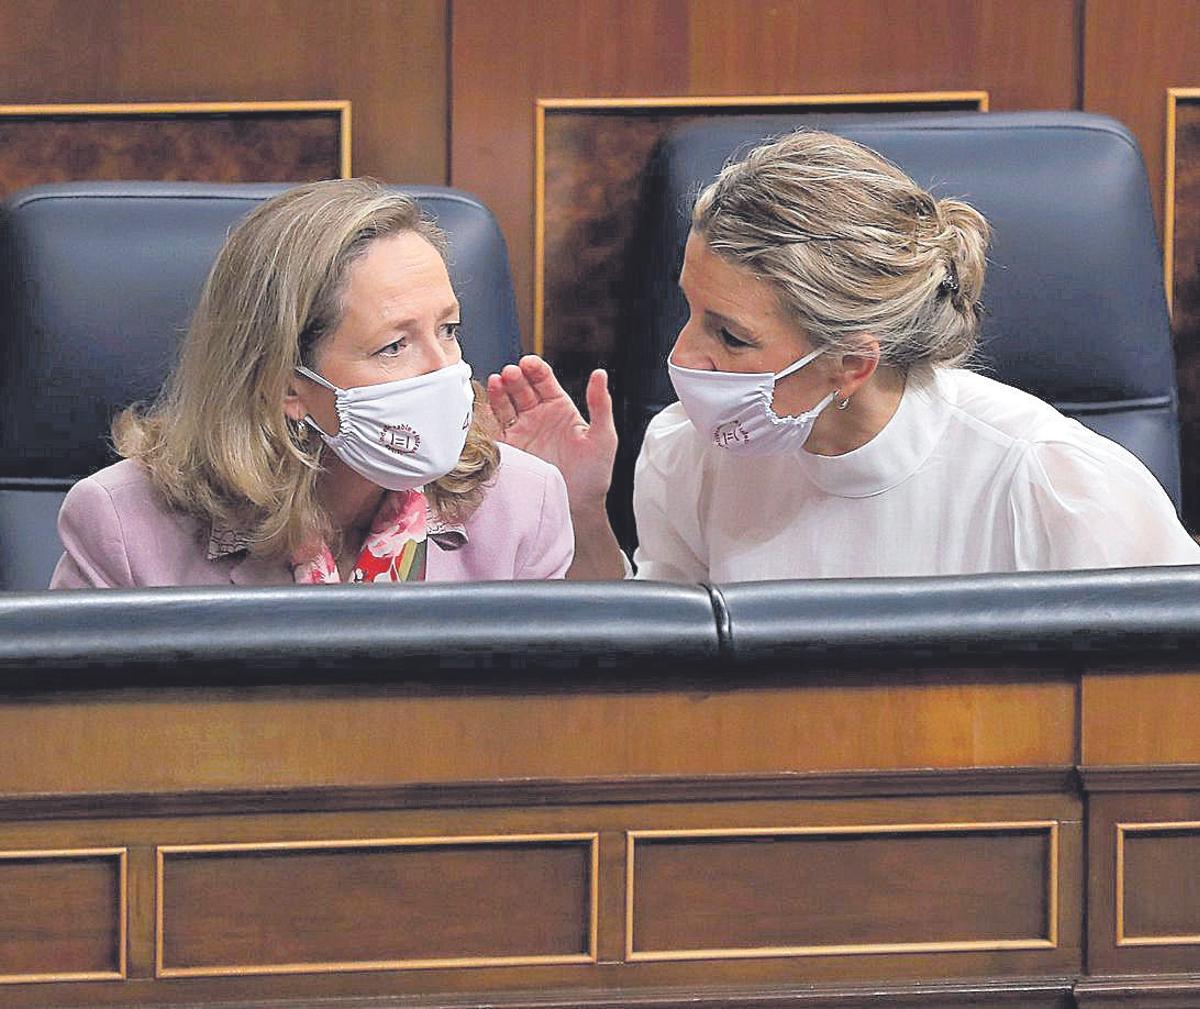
(392, 349)
(732, 341)
(450, 330)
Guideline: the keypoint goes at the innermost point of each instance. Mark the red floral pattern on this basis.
(394, 550)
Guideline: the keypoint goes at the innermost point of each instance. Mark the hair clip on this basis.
(949, 282)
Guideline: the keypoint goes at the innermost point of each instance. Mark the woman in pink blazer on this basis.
(321, 425)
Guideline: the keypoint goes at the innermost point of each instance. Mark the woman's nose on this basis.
(442, 354)
(685, 353)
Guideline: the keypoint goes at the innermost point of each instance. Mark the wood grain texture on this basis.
(490, 985)
(338, 908)
(266, 147)
(1159, 882)
(388, 59)
(59, 917)
(1161, 892)
(1023, 52)
(1140, 719)
(263, 737)
(1183, 205)
(1133, 51)
(842, 892)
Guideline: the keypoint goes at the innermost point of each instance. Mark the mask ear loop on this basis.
(797, 365)
(308, 417)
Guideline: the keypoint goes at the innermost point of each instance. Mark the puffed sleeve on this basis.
(551, 549)
(1089, 503)
(666, 501)
(89, 527)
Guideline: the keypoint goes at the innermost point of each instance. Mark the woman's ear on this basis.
(293, 406)
(856, 367)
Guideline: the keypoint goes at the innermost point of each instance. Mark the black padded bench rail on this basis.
(622, 633)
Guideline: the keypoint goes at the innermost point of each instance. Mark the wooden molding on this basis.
(1174, 95)
(1050, 941)
(153, 109)
(163, 852)
(1041, 993)
(1151, 778)
(543, 792)
(1181, 991)
(122, 910)
(1123, 829)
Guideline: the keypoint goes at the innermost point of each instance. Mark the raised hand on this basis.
(538, 416)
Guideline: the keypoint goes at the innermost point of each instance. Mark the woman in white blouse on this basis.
(826, 426)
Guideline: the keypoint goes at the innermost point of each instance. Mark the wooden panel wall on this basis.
(1134, 51)
(389, 59)
(1023, 52)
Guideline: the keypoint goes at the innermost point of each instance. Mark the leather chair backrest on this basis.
(1074, 294)
(97, 283)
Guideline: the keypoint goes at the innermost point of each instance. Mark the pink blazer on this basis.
(118, 532)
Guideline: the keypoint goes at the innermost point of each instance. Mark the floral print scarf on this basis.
(394, 550)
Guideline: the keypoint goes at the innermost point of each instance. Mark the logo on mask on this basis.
(399, 438)
(730, 434)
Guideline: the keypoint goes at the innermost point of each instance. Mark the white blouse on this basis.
(968, 476)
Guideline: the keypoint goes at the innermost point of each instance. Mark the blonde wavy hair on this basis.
(217, 443)
(852, 246)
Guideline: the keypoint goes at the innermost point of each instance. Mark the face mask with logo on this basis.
(404, 434)
(734, 410)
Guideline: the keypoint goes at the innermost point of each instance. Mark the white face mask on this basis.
(404, 434)
(734, 410)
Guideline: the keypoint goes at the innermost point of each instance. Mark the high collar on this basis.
(896, 452)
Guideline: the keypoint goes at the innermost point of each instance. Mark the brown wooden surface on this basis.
(251, 147)
(1140, 719)
(611, 821)
(388, 59)
(262, 737)
(59, 916)
(1023, 52)
(1134, 51)
(267, 910)
(1160, 882)
(734, 894)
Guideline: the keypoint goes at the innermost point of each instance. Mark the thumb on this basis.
(600, 404)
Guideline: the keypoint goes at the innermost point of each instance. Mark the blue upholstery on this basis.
(97, 281)
(1074, 293)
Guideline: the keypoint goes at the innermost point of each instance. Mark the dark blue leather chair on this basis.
(1074, 293)
(97, 282)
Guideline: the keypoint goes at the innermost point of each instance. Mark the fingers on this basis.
(519, 389)
(540, 377)
(502, 405)
(600, 404)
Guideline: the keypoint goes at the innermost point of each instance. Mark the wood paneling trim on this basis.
(122, 913)
(1154, 778)
(1122, 830)
(542, 106)
(1050, 941)
(164, 852)
(576, 792)
(1178, 992)
(153, 109)
(1173, 96)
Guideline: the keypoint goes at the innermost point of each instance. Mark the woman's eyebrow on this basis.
(725, 320)
(454, 308)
